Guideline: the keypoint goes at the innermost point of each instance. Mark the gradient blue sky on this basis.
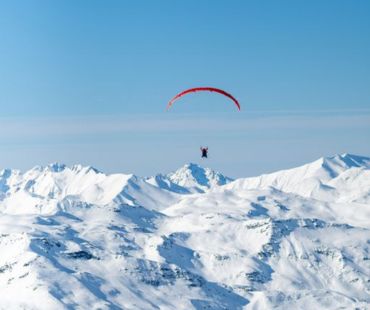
(88, 81)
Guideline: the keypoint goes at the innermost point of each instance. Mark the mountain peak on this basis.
(348, 160)
(334, 165)
(355, 160)
(194, 176)
(193, 166)
(86, 169)
(56, 167)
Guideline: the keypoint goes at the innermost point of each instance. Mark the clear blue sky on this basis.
(88, 82)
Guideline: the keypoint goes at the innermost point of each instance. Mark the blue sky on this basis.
(88, 81)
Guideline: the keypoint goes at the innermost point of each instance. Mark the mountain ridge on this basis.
(313, 179)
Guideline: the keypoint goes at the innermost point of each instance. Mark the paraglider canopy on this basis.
(210, 89)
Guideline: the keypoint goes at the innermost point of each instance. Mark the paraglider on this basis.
(204, 151)
(210, 89)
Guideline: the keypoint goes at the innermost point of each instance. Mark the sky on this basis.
(88, 82)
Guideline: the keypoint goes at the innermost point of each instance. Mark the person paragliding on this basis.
(204, 151)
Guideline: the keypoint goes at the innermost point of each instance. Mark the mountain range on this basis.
(76, 238)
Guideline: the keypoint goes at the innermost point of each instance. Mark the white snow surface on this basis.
(76, 238)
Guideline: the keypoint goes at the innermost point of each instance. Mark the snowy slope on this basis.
(331, 178)
(74, 237)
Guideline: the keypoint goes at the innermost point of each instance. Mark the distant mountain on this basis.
(57, 183)
(197, 178)
(74, 237)
(327, 178)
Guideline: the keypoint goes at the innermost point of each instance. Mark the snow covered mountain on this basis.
(332, 178)
(74, 237)
(197, 179)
